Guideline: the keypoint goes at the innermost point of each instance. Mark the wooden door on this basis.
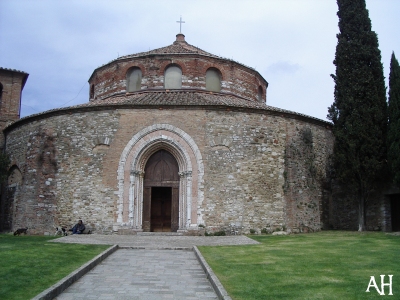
(161, 193)
(146, 208)
(175, 209)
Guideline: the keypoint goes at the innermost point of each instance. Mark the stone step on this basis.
(160, 233)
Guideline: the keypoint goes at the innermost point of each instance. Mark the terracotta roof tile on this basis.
(178, 47)
(173, 98)
(187, 98)
(13, 70)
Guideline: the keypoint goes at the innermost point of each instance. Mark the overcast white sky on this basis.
(291, 43)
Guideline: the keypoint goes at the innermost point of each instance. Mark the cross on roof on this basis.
(180, 25)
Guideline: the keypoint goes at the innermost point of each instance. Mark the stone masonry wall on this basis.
(244, 173)
(307, 175)
(342, 211)
(61, 159)
(69, 167)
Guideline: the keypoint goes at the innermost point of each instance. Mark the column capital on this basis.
(184, 174)
(137, 173)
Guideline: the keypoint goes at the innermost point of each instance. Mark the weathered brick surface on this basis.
(110, 79)
(11, 83)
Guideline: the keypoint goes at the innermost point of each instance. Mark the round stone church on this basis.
(175, 139)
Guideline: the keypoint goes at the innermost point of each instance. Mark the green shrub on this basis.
(219, 233)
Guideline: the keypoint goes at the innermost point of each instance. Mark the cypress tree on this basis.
(394, 120)
(359, 110)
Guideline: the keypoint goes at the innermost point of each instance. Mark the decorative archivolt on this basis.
(131, 172)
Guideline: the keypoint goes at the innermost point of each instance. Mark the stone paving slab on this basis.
(150, 267)
(144, 274)
(156, 241)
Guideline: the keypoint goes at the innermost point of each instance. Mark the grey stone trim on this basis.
(218, 287)
(140, 147)
(64, 283)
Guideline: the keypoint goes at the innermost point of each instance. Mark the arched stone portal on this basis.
(132, 176)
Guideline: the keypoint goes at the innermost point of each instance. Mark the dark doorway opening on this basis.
(395, 211)
(161, 209)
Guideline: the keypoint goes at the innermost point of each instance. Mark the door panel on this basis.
(146, 208)
(175, 210)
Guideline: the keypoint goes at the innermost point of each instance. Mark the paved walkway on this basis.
(147, 267)
(157, 241)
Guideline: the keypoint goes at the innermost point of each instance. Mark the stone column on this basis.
(189, 198)
(185, 199)
(136, 199)
(182, 201)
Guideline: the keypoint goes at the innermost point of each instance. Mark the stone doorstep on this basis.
(141, 233)
(67, 281)
(192, 232)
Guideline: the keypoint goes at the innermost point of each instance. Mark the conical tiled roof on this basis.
(180, 46)
(157, 99)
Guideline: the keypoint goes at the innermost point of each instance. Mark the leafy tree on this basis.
(394, 120)
(359, 110)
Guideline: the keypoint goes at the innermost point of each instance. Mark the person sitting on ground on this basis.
(79, 228)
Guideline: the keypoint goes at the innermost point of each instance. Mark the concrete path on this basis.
(147, 267)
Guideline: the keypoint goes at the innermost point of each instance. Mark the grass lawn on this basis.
(30, 264)
(323, 265)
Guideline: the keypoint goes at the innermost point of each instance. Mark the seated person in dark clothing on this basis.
(78, 228)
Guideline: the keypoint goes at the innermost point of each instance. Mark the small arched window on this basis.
(213, 80)
(92, 91)
(173, 78)
(260, 94)
(133, 79)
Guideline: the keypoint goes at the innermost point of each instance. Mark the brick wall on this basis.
(110, 79)
(12, 82)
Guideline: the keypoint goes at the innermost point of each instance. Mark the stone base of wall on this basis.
(127, 231)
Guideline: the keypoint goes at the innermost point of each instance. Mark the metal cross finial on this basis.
(180, 25)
